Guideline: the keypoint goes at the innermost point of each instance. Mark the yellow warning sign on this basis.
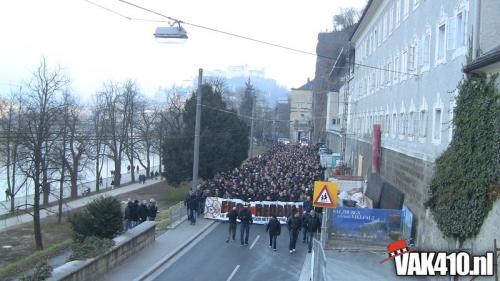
(325, 194)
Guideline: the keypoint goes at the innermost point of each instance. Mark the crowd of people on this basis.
(284, 173)
(137, 213)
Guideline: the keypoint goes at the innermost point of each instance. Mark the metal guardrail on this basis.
(318, 262)
(176, 213)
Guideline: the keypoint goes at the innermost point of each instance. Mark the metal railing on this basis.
(318, 262)
(176, 213)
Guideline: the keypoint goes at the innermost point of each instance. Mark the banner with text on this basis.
(369, 224)
(217, 208)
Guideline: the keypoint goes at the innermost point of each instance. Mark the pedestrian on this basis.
(156, 175)
(245, 217)
(134, 215)
(193, 207)
(294, 225)
(232, 216)
(307, 205)
(305, 217)
(7, 194)
(152, 174)
(143, 212)
(137, 168)
(274, 228)
(100, 181)
(313, 227)
(128, 214)
(152, 209)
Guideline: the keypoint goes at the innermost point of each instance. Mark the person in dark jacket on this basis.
(307, 205)
(313, 226)
(134, 216)
(245, 217)
(294, 223)
(128, 214)
(193, 207)
(142, 212)
(152, 210)
(305, 217)
(232, 216)
(274, 229)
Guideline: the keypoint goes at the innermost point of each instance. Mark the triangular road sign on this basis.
(324, 198)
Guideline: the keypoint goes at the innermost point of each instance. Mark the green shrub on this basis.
(102, 218)
(90, 247)
(41, 272)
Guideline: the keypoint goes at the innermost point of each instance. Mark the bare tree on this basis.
(147, 118)
(130, 101)
(41, 109)
(10, 143)
(115, 120)
(97, 149)
(346, 18)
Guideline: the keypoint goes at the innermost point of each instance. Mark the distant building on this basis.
(282, 117)
(301, 112)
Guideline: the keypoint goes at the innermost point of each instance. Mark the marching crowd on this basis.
(137, 213)
(284, 173)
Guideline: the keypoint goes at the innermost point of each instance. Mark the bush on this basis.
(102, 218)
(41, 272)
(90, 247)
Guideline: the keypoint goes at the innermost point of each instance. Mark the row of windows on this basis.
(388, 22)
(416, 57)
(412, 125)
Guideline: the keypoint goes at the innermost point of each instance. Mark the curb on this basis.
(176, 251)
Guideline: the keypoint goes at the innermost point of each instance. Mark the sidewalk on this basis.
(163, 249)
(13, 221)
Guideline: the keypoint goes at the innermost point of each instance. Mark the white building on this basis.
(408, 63)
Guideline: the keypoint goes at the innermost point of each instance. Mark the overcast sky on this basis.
(93, 45)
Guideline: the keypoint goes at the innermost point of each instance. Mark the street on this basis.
(214, 259)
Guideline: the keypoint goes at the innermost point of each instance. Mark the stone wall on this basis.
(125, 246)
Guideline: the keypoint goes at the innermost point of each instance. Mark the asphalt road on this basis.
(214, 259)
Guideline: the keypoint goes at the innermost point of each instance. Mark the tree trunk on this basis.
(74, 179)
(61, 193)
(148, 165)
(117, 176)
(36, 209)
(97, 172)
(45, 186)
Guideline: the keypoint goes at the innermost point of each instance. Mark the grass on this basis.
(30, 261)
(176, 194)
(260, 149)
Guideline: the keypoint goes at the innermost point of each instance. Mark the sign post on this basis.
(325, 196)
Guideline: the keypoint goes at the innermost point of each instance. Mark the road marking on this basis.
(233, 273)
(255, 241)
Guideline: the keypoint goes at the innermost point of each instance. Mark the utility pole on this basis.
(253, 124)
(344, 115)
(197, 133)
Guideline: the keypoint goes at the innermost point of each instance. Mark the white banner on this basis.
(217, 208)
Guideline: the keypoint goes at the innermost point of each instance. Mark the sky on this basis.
(93, 45)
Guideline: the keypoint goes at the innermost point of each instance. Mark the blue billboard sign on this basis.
(369, 224)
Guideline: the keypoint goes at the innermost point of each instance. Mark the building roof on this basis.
(361, 19)
(486, 59)
(307, 86)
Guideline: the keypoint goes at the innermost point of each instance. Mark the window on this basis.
(401, 123)
(404, 64)
(406, 8)
(387, 124)
(441, 43)
(426, 53)
(411, 124)
(415, 120)
(396, 68)
(398, 13)
(423, 124)
(460, 30)
(411, 59)
(437, 124)
(389, 25)
(385, 26)
(394, 124)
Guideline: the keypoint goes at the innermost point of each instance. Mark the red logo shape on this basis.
(397, 248)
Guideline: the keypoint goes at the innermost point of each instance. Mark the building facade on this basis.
(408, 60)
(301, 112)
